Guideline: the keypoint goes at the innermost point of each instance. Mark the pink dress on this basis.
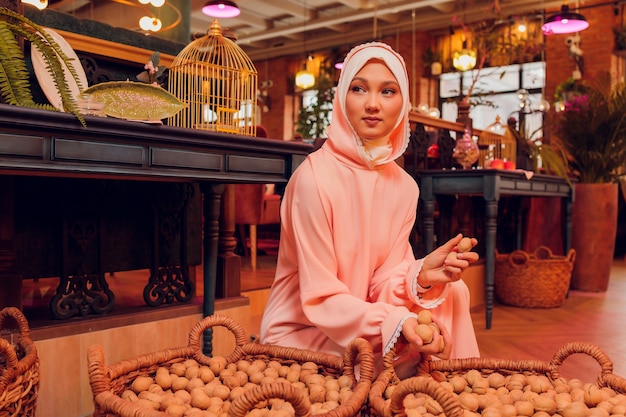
(345, 266)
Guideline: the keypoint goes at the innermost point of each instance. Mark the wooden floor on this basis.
(596, 318)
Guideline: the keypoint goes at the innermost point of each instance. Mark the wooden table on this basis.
(491, 184)
(40, 143)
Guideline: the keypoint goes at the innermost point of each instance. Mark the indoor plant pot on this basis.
(592, 132)
(594, 220)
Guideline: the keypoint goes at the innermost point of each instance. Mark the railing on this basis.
(427, 131)
(419, 118)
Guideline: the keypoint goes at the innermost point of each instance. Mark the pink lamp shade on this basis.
(221, 9)
(564, 22)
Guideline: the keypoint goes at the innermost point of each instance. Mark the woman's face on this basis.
(374, 101)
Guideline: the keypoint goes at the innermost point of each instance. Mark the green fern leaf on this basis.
(53, 55)
(14, 83)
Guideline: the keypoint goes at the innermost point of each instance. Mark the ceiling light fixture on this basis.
(305, 79)
(221, 9)
(155, 3)
(564, 22)
(464, 59)
(40, 4)
(150, 24)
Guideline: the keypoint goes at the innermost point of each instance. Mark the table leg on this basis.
(491, 213)
(429, 225)
(567, 223)
(212, 200)
(10, 280)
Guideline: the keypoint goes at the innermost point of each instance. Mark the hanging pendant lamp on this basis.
(564, 22)
(464, 59)
(221, 9)
(305, 79)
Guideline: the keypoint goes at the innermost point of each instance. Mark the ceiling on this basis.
(271, 28)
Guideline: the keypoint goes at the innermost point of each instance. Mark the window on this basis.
(496, 88)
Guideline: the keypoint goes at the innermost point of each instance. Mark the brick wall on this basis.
(597, 44)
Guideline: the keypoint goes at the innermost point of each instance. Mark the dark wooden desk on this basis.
(51, 144)
(491, 185)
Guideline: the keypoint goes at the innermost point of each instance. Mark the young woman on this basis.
(345, 266)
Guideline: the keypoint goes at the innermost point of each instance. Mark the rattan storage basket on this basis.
(109, 383)
(19, 366)
(538, 280)
(518, 377)
(525, 372)
(386, 398)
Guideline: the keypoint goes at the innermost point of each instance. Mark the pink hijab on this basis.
(342, 137)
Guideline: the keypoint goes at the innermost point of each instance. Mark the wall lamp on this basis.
(221, 9)
(564, 22)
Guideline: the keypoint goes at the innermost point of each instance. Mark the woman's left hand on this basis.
(440, 338)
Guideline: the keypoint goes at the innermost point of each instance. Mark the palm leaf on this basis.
(592, 131)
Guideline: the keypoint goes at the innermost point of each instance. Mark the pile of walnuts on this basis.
(190, 389)
(512, 395)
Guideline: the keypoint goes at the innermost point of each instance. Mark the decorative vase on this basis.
(594, 228)
(466, 151)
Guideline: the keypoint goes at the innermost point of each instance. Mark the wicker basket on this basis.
(19, 367)
(108, 383)
(381, 404)
(533, 280)
(443, 372)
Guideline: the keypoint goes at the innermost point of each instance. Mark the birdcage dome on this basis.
(218, 82)
(496, 142)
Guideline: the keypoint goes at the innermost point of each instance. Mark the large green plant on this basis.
(592, 131)
(543, 157)
(14, 76)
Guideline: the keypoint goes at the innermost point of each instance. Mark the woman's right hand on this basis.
(438, 268)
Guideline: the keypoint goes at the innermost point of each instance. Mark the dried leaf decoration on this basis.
(135, 101)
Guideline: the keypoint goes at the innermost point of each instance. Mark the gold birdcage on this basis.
(496, 142)
(218, 82)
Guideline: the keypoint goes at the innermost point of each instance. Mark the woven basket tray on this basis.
(532, 370)
(538, 280)
(19, 367)
(442, 373)
(109, 383)
(383, 404)
(388, 393)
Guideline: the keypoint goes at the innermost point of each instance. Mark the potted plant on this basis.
(567, 90)
(315, 117)
(432, 60)
(619, 34)
(591, 130)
